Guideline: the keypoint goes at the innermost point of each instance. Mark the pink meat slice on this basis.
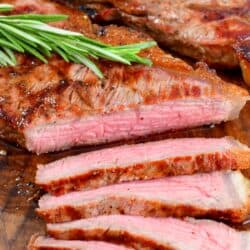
(45, 243)
(154, 233)
(223, 195)
(142, 161)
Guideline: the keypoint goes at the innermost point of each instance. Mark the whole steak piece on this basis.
(206, 30)
(55, 106)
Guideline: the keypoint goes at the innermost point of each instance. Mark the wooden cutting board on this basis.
(18, 194)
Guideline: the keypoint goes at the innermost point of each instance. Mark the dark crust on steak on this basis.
(147, 209)
(124, 237)
(231, 160)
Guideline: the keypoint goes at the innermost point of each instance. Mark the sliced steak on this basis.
(141, 162)
(203, 30)
(55, 106)
(218, 195)
(154, 233)
(44, 243)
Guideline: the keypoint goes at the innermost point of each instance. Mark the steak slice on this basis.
(55, 106)
(141, 162)
(154, 233)
(44, 243)
(204, 30)
(217, 195)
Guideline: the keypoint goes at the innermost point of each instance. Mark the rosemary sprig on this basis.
(31, 34)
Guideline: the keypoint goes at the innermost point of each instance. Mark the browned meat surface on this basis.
(204, 30)
(60, 105)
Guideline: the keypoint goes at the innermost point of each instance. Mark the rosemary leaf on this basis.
(30, 33)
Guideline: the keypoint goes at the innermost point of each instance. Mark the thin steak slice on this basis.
(142, 162)
(217, 195)
(55, 106)
(45, 243)
(154, 233)
(204, 30)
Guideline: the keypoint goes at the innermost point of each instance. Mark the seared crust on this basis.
(35, 94)
(230, 160)
(142, 208)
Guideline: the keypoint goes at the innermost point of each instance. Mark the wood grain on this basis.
(18, 194)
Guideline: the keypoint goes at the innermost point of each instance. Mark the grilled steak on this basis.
(204, 30)
(44, 243)
(142, 161)
(154, 233)
(60, 105)
(216, 195)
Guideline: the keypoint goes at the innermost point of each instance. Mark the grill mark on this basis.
(28, 116)
(36, 100)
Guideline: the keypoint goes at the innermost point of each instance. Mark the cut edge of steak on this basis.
(219, 195)
(154, 233)
(141, 162)
(38, 242)
(132, 123)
